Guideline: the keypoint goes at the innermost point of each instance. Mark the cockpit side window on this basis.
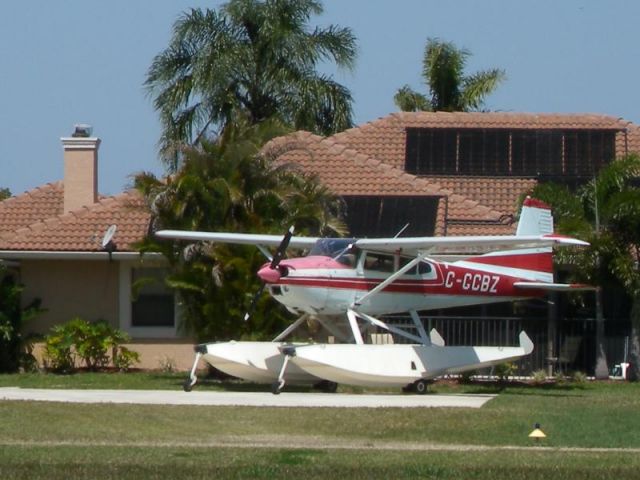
(421, 269)
(378, 262)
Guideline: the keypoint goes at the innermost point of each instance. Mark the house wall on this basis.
(70, 288)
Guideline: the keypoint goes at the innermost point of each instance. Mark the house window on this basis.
(499, 152)
(152, 302)
(386, 216)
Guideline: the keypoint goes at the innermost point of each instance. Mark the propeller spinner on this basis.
(271, 273)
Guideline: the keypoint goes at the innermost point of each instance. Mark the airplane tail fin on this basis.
(534, 264)
(535, 218)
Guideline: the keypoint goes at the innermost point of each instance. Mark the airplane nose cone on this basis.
(269, 275)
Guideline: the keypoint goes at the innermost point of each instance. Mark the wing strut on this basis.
(390, 328)
(353, 323)
(420, 327)
(291, 328)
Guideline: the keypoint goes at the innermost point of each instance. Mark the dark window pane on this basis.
(152, 311)
(377, 216)
(430, 152)
(522, 152)
(153, 304)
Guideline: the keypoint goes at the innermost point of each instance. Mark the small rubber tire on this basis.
(275, 388)
(420, 387)
(329, 387)
(187, 386)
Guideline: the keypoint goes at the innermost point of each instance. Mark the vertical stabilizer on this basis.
(535, 264)
(535, 218)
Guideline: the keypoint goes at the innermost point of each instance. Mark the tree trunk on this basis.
(602, 369)
(552, 332)
(633, 372)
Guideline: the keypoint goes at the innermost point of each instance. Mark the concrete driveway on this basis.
(249, 399)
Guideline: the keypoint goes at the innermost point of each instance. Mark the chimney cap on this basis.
(82, 130)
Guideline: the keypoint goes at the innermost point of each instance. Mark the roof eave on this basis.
(77, 255)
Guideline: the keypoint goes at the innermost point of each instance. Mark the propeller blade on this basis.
(277, 258)
(254, 301)
(282, 248)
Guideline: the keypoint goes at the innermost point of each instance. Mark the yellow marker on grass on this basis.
(537, 433)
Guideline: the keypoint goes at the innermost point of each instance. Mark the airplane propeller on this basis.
(275, 261)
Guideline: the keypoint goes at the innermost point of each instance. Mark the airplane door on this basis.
(343, 294)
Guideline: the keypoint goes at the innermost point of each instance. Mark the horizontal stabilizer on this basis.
(555, 287)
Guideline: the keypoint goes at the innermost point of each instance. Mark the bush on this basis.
(505, 370)
(15, 347)
(465, 377)
(91, 343)
(539, 377)
(578, 378)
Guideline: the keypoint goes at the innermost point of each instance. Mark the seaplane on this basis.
(348, 284)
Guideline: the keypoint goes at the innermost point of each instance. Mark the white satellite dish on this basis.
(108, 236)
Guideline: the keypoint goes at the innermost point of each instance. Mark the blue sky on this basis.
(73, 61)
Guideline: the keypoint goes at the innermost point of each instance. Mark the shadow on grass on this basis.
(548, 389)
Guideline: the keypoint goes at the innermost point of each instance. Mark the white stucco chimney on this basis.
(80, 168)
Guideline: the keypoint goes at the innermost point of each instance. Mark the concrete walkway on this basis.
(249, 399)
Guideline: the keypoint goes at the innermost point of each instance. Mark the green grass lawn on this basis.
(53, 440)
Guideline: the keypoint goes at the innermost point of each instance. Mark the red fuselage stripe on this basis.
(539, 262)
(501, 287)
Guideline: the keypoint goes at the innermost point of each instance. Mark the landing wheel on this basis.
(420, 386)
(276, 387)
(188, 384)
(326, 386)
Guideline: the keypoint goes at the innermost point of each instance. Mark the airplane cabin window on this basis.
(378, 262)
(422, 268)
(348, 259)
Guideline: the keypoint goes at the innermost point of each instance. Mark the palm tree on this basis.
(230, 185)
(606, 212)
(449, 89)
(252, 59)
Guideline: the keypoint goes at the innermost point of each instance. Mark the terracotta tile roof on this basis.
(30, 207)
(369, 159)
(347, 172)
(498, 193)
(83, 229)
(632, 141)
(481, 229)
(385, 137)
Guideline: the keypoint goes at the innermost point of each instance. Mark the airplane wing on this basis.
(442, 245)
(237, 238)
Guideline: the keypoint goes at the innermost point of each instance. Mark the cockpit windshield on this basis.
(331, 247)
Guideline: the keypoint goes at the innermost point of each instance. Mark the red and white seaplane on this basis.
(359, 280)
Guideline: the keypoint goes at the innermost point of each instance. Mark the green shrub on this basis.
(90, 343)
(58, 352)
(465, 377)
(539, 377)
(15, 347)
(578, 378)
(505, 370)
(123, 358)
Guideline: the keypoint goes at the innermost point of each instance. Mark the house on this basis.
(53, 239)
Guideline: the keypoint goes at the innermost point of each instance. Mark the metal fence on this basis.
(574, 348)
